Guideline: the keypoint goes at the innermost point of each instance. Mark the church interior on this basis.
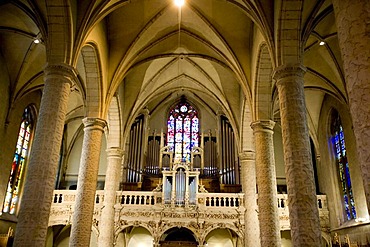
(164, 123)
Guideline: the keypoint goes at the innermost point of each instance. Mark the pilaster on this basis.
(266, 183)
(86, 184)
(44, 157)
(302, 201)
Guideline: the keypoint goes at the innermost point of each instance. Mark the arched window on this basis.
(20, 156)
(343, 168)
(182, 131)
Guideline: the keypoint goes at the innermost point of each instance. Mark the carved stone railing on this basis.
(284, 211)
(131, 206)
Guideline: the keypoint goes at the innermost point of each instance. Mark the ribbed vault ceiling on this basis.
(207, 51)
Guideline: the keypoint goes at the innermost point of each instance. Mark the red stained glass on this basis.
(21, 153)
(182, 131)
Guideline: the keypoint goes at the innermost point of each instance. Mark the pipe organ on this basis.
(180, 186)
(135, 151)
(229, 167)
(215, 160)
(152, 155)
(210, 157)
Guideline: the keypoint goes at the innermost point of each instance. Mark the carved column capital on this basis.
(289, 70)
(263, 126)
(114, 152)
(247, 155)
(92, 123)
(62, 72)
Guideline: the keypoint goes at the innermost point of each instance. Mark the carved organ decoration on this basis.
(180, 186)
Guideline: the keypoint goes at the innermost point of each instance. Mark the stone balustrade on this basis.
(128, 202)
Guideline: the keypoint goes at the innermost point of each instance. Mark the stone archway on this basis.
(176, 237)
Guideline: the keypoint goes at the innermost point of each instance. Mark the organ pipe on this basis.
(130, 158)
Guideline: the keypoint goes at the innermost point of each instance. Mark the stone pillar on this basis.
(353, 25)
(112, 178)
(39, 185)
(248, 181)
(86, 184)
(266, 183)
(302, 200)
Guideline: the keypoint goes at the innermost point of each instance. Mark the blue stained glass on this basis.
(343, 169)
(183, 130)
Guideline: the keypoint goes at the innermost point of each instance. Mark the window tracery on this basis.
(182, 131)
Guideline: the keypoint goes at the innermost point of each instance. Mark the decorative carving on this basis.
(62, 72)
(247, 155)
(289, 70)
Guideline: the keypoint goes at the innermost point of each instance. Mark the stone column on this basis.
(86, 184)
(39, 185)
(112, 177)
(248, 181)
(353, 25)
(266, 183)
(302, 200)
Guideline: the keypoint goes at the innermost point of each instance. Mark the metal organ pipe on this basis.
(156, 156)
(135, 152)
(160, 147)
(138, 152)
(223, 153)
(130, 158)
(226, 153)
(231, 161)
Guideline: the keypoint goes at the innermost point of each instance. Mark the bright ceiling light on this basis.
(179, 3)
(36, 41)
(322, 43)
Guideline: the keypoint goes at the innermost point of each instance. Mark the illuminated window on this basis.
(182, 131)
(20, 156)
(343, 168)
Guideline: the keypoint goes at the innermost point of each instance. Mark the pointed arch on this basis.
(114, 123)
(263, 97)
(93, 81)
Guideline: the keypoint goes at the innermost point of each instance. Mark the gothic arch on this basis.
(114, 123)
(262, 94)
(93, 81)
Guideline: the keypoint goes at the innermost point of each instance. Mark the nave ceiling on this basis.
(208, 51)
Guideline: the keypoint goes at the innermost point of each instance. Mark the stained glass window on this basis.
(16, 172)
(343, 168)
(182, 131)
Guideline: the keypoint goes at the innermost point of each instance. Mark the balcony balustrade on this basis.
(143, 205)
